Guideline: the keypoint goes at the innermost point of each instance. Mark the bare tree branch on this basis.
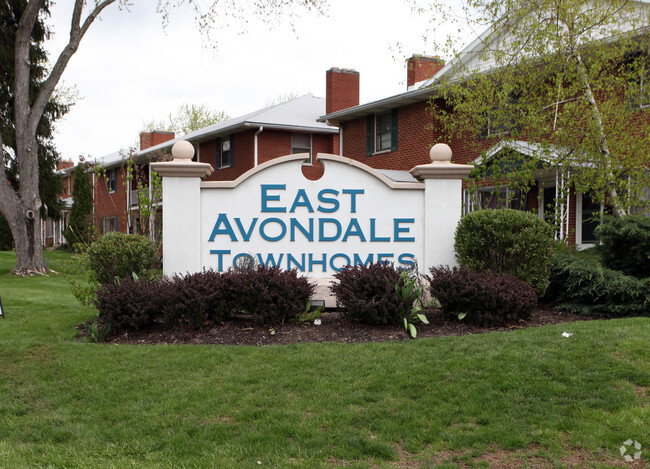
(76, 34)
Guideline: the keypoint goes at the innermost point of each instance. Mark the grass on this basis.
(531, 395)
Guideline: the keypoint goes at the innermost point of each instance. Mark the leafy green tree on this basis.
(188, 118)
(571, 76)
(21, 205)
(79, 230)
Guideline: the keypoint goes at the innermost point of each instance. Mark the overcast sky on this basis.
(129, 70)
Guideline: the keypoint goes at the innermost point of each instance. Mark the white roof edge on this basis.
(473, 47)
(521, 146)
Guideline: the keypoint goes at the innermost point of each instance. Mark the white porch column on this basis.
(443, 195)
(181, 179)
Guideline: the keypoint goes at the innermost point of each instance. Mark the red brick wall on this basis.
(341, 89)
(417, 132)
(110, 205)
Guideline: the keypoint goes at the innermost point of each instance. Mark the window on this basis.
(381, 132)
(502, 116)
(111, 181)
(644, 89)
(493, 127)
(301, 143)
(109, 224)
(637, 94)
(493, 197)
(225, 153)
(589, 215)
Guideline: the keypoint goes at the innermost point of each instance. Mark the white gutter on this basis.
(255, 146)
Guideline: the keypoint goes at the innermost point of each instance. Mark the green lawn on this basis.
(529, 396)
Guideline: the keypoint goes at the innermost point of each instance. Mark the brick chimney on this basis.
(151, 139)
(422, 67)
(342, 89)
(63, 164)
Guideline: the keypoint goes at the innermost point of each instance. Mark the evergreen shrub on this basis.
(79, 233)
(506, 241)
(625, 244)
(368, 294)
(117, 256)
(481, 298)
(6, 238)
(270, 293)
(581, 285)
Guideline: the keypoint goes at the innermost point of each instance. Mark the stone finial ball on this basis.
(182, 150)
(440, 152)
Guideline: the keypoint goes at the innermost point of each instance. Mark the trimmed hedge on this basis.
(367, 294)
(190, 301)
(132, 304)
(581, 285)
(194, 300)
(625, 244)
(506, 241)
(270, 293)
(115, 256)
(484, 297)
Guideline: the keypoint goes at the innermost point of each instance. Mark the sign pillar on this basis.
(182, 209)
(442, 204)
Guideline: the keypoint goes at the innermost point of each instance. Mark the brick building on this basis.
(395, 134)
(232, 147)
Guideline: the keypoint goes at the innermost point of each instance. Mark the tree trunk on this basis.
(25, 225)
(605, 154)
(22, 213)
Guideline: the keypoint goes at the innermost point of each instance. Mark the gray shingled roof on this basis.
(298, 115)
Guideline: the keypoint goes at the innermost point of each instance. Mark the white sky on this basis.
(129, 71)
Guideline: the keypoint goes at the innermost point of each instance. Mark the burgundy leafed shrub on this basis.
(485, 297)
(270, 293)
(368, 294)
(195, 299)
(132, 304)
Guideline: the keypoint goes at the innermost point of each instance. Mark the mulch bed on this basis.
(243, 330)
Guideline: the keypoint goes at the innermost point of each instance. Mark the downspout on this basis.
(256, 147)
(128, 205)
(152, 211)
(340, 141)
(94, 202)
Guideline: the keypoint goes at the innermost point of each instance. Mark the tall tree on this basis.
(570, 76)
(188, 118)
(49, 180)
(21, 205)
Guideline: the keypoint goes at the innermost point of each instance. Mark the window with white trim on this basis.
(225, 152)
(109, 224)
(589, 214)
(381, 132)
(644, 89)
(111, 181)
(301, 143)
(493, 198)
